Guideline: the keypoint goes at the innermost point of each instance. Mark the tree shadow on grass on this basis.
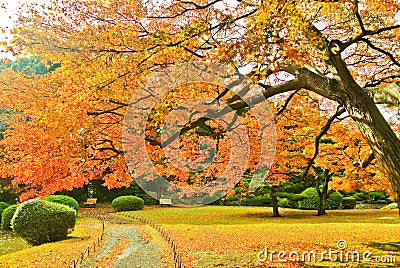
(387, 246)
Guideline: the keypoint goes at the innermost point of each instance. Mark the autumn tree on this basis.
(310, 143)
(346, 52)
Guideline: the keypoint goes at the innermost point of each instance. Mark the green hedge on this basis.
(310, 200)
(103, 194)
(334, 201)
(376, 196)
(6, 217)
(261, 200)
(40, 221)
(349, 203)
(3, 206)
(232, 198)
(65, 200)
(361, 196)
(283, 202)
(127, 203)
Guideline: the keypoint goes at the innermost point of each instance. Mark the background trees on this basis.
(344, 52)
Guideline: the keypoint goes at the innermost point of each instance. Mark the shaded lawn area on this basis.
(217, 236)
(57, 254)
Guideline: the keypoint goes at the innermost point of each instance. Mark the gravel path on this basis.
(138, 253)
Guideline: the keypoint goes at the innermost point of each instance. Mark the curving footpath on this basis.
(123, 247)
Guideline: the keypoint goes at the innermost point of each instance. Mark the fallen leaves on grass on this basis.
(56, 254)
(223, 232)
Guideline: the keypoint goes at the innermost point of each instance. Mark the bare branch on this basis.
(365, 33)
(340, 110)
(294, 84)
(392, 58)
(282, 109)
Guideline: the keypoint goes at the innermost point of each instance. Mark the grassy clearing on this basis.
(57, 254)
(214, 236)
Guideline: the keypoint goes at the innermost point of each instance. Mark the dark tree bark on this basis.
(274, 201)
(323, 194)
(383, 141)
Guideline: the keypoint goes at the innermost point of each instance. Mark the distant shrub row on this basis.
(311, 200)
(51, 219)
(308, 199)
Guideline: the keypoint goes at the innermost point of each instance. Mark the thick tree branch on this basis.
(294, 84)
(385, 95)
(368, 160)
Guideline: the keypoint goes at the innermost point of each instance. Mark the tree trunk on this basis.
(274, 201)
(373, 126)
(323, 195)
(321, 200)
(322, 206)
(398, 206)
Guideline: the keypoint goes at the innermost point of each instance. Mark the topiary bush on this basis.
(40, 221)
(260, 200)
(290, 200)
(3, 206)
(127, 203)
(65, 200)
(310, 200)
(6, 217)
(334, 201)
(283, 202)
(349, 203)
(375, 196)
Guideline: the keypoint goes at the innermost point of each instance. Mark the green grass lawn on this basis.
(217, 236)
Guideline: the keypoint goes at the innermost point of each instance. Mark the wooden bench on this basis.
(90, 203)
(165, 202)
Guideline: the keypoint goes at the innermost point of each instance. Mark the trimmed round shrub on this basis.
(260, 200)
(3, 206)
(6, 217)
(349, 203)
(65, 200)
(40, 221)
(310, 200)
(127, 203)
(334, 201)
